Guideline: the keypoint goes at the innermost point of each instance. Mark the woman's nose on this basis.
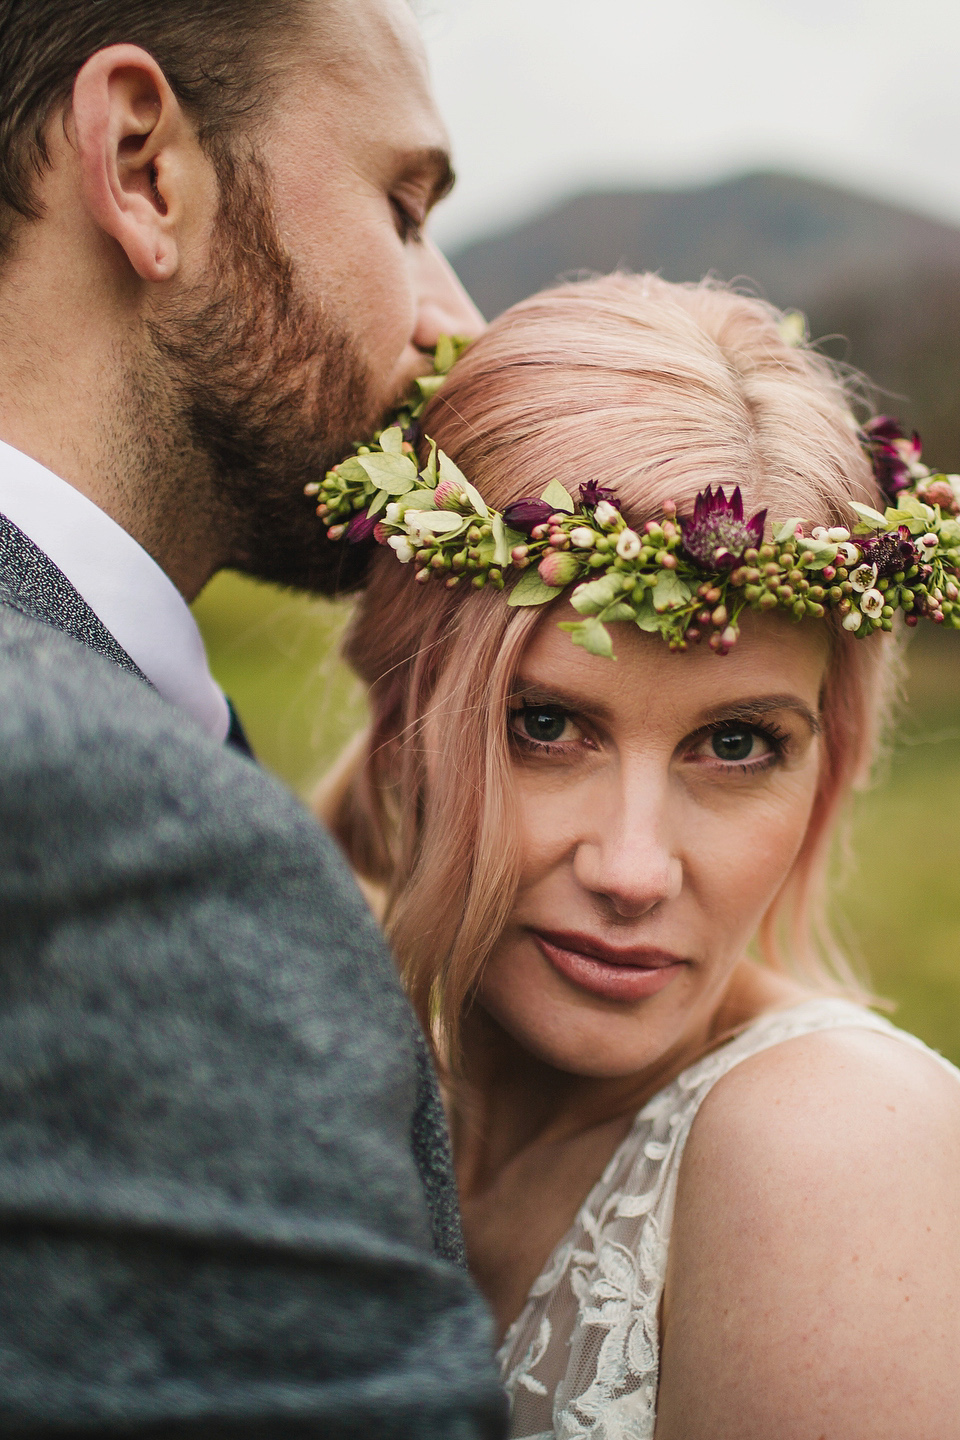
(628, 860)
(443, 306)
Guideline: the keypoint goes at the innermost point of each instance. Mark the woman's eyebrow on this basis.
(758, 705)
(541, 694)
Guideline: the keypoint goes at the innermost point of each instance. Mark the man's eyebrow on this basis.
(435, 162)
(756, 706)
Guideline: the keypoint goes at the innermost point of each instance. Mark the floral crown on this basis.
(684, 577)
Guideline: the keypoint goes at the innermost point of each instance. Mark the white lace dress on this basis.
(583, 1357)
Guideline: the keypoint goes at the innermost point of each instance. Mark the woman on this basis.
(706, 1193)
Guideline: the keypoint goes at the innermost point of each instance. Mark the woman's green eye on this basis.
(544, 725)
(733, 744)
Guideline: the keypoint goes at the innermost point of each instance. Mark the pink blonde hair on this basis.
(656, 390)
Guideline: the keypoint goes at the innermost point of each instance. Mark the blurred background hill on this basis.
(883, 281)
(677, 138)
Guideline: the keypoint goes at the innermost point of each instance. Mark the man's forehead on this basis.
(372, 49)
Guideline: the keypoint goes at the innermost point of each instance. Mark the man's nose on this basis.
(444, 307)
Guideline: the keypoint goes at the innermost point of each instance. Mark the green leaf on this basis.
(595, 595)
(422, 499)
(428, 385)
(515, 537)
(787, 530)
(394, 473)
(872, 518)
(429, 472)
(619, 610)
(591, 635)
(451, 472)
(644, 614)
(351, 472)
(649, 620)
(670, 592)
(824, 553)
(391, 441)
(556, 495)
(530, 589)
(909, 505)
(378, 502)
(437, 522)
(501, 550)
(444, 355)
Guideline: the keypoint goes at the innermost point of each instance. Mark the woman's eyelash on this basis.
(529, 742)
(777, 738)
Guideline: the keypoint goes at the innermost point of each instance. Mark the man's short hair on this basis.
(217, 55)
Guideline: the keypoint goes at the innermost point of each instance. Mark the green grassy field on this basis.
(899, 904)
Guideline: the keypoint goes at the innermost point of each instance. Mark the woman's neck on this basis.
(509, 1098)
(530, 1140)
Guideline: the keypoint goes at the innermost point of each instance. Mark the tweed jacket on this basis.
(226, 1204)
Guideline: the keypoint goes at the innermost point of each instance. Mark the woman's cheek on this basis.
(746, 859)
(548, 828)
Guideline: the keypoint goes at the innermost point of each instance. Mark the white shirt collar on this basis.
(122, 584)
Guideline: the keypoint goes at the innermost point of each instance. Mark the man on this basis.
(225, 1199)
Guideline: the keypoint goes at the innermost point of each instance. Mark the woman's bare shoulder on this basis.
(815, 1258)
(825, 1090)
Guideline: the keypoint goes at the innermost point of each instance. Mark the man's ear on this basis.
(134, 145)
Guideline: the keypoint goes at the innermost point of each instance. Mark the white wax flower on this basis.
(871, 603)
(628, 545)
(405, 551)
(864, 577)
(582, 538)
(606, 514)
(853, 621)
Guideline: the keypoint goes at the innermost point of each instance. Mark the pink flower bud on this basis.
(449, 496)
(559, 568)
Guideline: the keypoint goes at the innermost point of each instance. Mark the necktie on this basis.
(236, 735)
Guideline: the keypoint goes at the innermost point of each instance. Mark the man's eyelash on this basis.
(409, 226)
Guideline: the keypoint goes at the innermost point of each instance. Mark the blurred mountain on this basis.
(880, 284)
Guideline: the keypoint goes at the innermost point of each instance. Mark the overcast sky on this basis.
(548, 97)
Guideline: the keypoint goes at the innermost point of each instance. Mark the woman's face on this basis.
(663, 799)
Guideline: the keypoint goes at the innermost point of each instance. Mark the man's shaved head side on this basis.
(218, 55)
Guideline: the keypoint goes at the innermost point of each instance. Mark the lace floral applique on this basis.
(590, 1328)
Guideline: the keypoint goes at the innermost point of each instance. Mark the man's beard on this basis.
(265, 392)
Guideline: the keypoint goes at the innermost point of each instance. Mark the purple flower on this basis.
(717, 535)
(890, 553)
(593, 492)
(892, 452)
(361, 528)
(525, 515)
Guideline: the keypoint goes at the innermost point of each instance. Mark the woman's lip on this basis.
(601, 970)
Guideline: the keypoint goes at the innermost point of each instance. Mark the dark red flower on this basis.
(593, 492)
(360, 528)
(890, 553)
(892, 453)
(525, 515)
(717, 534)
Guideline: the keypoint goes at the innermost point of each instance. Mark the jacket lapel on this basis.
(31, 583)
